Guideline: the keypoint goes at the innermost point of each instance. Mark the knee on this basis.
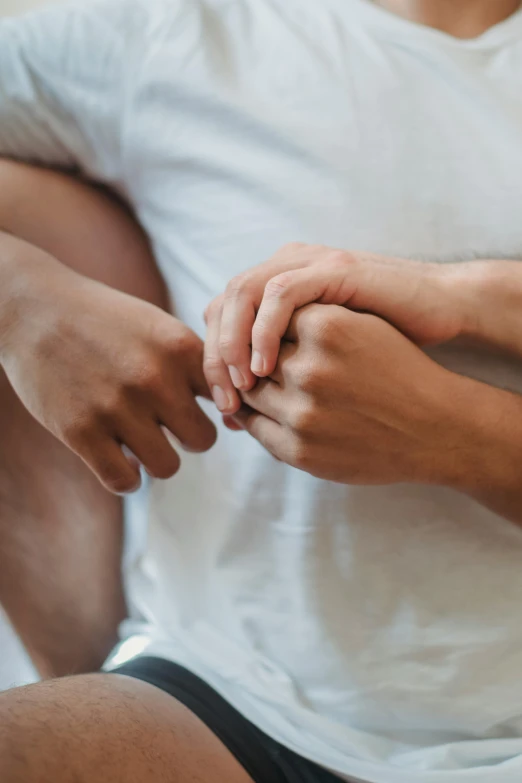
(47, 731)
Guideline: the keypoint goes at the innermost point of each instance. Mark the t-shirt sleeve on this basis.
(64, 76)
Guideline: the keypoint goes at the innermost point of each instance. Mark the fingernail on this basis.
(258, 363)
(221, 398)
(238, 379)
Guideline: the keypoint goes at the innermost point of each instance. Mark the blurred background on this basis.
(15, 666)
(19, 6)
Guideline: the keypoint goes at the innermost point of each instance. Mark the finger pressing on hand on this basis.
(267, 398)
(216, 372)
(286, 293)
(268, 432)
(240, 302)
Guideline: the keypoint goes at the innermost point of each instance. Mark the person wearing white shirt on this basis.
(350, 609)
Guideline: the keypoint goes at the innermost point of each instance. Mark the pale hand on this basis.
(247, 322)
(101, 370)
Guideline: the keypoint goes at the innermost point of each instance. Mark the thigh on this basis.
(107, 729)
(60, 548)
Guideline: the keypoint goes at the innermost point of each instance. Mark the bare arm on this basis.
(98, 368)
(430, 303)
(470, 435)
(489, 423)
(491, 296)
(60, 531)
(63, 216)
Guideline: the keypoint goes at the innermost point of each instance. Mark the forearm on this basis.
(490, 295)
(65, 217)
(484, 445)
(59, 529)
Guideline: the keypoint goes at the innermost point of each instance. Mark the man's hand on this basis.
(100, 369)
(246, 324)
(353, 400)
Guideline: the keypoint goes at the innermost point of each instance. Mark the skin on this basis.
(246, 323)
(92, 394)
(60, 541)
(409, 422)
(430, 303)
(60, 529)
(107, 729)
(153, 737)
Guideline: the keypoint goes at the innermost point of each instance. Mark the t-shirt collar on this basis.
(387, 24)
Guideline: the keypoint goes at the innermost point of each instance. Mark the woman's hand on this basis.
(100, 369)
(246, 324)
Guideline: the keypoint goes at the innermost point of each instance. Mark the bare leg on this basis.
(60, 531)
(107, 729)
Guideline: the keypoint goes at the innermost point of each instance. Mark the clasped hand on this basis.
(316, 354)
(343, 394)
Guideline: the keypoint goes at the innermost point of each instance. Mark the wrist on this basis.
(482, 439)
(464, 287)
(490, 295)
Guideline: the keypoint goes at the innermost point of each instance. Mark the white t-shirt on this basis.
(377, 631)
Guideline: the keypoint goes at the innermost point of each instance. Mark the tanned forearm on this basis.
(490, 298)
(480, 451)
(484, 426)
(60, 531)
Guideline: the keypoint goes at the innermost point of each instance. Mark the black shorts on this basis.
(265, 760)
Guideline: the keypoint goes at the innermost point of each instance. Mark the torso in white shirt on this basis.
(377, 631)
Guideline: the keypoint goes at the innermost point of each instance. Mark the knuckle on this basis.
(182, 343)
(297, 453)
(303, 419)
(230, 349)
(238, 286)
(94, 419)
(78, 430)
(325, 323)
(262, 333)
(213, 307)
(313, 316)
(148, 380)
(307, 376)
(213, 365)
(339, 258)
(109, 408)
(278, 286)
(292, 248)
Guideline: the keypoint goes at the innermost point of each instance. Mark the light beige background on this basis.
(18, 6)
